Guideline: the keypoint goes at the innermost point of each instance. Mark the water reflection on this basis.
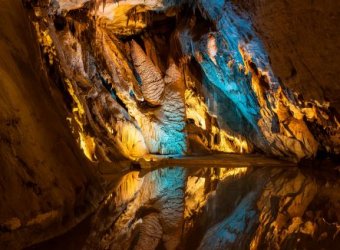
(220, 208)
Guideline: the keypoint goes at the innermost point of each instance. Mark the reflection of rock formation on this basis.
(151, 215)
(284, 203)
(220, 209)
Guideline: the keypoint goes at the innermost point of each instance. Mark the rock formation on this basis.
(94, 91)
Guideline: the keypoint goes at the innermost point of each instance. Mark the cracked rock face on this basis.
(91, 87)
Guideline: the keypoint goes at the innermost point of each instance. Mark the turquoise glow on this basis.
(226, 73)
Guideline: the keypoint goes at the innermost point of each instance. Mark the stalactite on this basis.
(152, 81)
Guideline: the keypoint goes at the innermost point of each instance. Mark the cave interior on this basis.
(169, 124)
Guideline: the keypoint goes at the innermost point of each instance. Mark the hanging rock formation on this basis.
(152, 82)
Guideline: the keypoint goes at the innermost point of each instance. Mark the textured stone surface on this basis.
(151, 78)
(302, 39)
(124, 79)
(216, 54)
(46, 184)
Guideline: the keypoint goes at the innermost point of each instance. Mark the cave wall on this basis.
(302, 41)
(235, 61)
(212, 89)
(46, 183)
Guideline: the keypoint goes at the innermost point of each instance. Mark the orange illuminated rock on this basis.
(152, 81)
